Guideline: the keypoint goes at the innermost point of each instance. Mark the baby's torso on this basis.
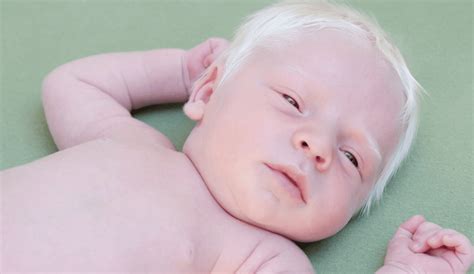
(105, 206)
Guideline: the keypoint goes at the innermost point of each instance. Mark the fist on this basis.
(421, 246)
(197, 59)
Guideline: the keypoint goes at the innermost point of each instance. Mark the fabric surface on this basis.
(435, 38)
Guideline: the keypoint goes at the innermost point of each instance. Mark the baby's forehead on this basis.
(333, 59)
(332, 49)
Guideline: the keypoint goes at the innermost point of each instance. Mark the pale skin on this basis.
(119, 197)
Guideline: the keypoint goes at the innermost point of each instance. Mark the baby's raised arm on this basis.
(92, 97)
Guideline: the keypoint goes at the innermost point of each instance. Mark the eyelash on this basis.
(351, 158)
(292, 101)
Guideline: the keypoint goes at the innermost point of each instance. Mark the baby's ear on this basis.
(201, 92)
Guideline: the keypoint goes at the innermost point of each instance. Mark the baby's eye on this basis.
(291, 101)
(351, 158)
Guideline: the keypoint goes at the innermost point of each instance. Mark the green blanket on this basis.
(435, 38)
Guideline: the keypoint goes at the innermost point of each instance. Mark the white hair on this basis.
(280, 23)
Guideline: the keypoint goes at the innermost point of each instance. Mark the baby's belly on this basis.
(103, 206)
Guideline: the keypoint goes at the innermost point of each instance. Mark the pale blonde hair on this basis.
(279, 23)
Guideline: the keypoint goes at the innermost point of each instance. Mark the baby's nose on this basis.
(317, 149)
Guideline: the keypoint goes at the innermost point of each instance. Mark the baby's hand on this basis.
(419, 246)
(197, 59)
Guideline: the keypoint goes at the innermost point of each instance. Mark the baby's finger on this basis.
(217, 45)
(210, 58)
(402, 238)
(436, 240)
(409, 227)
(462, 246)
(420, 238)
(208, 61)
(425, 229)
(454, 240)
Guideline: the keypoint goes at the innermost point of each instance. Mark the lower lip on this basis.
(286, 184)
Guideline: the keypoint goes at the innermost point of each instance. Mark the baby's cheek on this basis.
(323, 221)
(339, 210)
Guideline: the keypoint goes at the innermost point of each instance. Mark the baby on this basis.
(300, 123)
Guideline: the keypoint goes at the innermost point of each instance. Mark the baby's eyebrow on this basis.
(290, 70)
(366, 140)
(292, 75)
(374, 146)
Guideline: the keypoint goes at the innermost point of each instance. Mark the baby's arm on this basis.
(419, 246)
(92, 97)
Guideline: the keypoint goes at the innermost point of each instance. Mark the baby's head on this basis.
(302, 121)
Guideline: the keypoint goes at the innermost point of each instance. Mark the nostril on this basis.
(319, 159)
(304, 144)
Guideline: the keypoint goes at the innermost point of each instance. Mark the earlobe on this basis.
(194, 110)
(201, 93)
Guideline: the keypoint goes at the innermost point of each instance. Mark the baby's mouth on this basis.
(292, 180)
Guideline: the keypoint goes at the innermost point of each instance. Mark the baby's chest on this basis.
(161, 211)
(111, 209)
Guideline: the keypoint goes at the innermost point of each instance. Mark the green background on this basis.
(434, 36)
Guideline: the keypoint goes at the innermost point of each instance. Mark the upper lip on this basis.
(295, 175)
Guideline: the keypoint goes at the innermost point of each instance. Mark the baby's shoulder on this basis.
(142, 151)
(158, 159)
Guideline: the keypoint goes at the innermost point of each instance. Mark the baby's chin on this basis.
(299, 235)
(311, 235)
(294, 230)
